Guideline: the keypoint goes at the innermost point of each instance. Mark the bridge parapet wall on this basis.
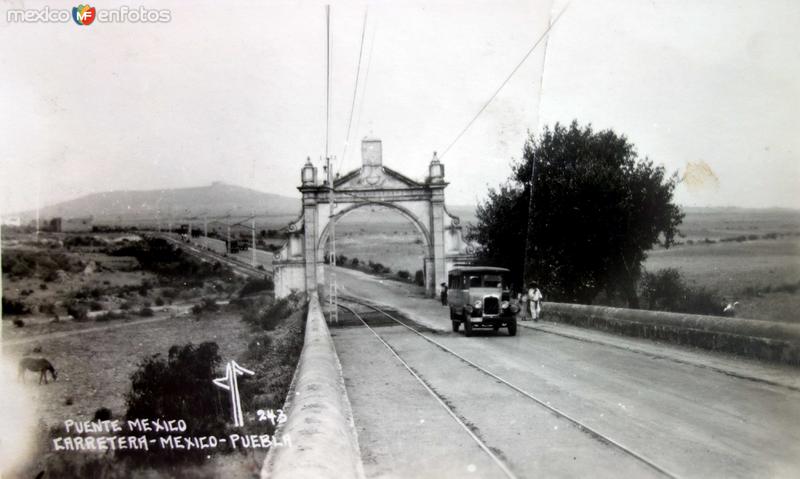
(320, 425)
(768, 340)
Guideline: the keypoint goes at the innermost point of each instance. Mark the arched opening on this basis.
(382, 239)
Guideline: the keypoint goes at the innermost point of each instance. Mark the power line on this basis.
(524, 58)
(355, 91)
(366, 78)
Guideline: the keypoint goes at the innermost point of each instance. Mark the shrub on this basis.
(146, 312)
(170, 293)
(159, 301)
(256, 286)
(78, 311)
(125, 306)
(259, 347)
(43, 286)
(663, 290)
(102, 414)
(95, 306)
(109, 316)
(787, 288)
(144, 288)
(271, 317)
(47, 308)
(44, 264)
(378, 268)
(13, 307)
(207, 305)
(79, 241)
(403, 274)
(701, 301)
(179, 386)
(19, 323)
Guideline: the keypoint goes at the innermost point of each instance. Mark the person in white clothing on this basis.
(535, 301)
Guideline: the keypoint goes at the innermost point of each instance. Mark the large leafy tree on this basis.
(597, 209)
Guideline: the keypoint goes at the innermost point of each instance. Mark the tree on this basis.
(597, 209)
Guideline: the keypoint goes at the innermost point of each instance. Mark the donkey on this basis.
(37, 365)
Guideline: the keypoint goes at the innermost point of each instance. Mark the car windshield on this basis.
(486, 280)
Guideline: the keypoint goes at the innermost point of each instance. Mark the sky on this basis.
(235, 92)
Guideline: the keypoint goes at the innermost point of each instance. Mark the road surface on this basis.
(554, 401)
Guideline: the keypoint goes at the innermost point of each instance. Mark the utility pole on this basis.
(254, 242)
(530, 252)
(205, 231)
(332, 295)
(332, 299)
(228, 243)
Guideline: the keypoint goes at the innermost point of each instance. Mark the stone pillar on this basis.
(437, 184)
(430, 279)
(437, 234)
(310, 239)
(308, 177)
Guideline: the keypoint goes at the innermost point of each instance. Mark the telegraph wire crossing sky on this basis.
(707, 89)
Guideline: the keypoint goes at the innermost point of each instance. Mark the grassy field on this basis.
(392, 240)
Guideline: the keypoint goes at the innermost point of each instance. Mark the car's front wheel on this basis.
(512, 327)
(456, 325)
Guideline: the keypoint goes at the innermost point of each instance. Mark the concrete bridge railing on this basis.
(320, 422)
(768, 340)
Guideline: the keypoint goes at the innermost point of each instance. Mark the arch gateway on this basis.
(298, 265)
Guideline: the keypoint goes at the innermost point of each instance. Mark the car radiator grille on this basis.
(491, 305)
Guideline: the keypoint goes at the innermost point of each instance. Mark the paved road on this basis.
(690, 413)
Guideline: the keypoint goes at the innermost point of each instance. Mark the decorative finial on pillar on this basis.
(436, 170)
(308, 174)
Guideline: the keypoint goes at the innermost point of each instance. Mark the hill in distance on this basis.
(218, 199)
(214, 201)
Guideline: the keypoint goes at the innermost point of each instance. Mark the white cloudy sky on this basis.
(236, 93)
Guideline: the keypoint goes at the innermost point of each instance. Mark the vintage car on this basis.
(478, 296)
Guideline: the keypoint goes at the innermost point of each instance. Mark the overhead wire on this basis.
(503, 84)
(355, 91)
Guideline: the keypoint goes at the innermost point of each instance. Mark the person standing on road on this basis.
(443, 294)
(535, 301)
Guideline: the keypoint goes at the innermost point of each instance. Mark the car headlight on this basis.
(478, 304)
(504, 305)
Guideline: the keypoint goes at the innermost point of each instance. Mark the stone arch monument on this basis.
(298, 265)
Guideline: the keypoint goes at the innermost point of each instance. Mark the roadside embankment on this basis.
(319, 425)
(768, 340)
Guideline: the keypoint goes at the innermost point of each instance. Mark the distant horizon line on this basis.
(299, 198)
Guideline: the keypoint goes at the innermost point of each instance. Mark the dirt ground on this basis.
(94, 368)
